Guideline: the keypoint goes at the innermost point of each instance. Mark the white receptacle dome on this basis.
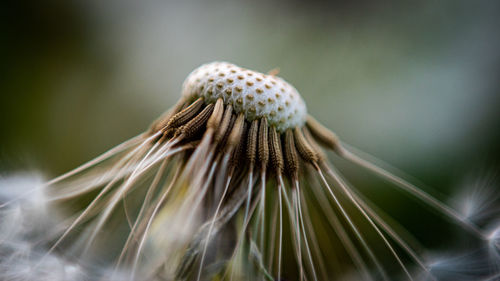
(255, 94)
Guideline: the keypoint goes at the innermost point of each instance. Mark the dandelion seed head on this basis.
(224, 172)
(255, 94)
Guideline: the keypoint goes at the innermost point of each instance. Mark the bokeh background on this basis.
(415, 83)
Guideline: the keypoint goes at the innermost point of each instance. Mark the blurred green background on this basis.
(415, 83)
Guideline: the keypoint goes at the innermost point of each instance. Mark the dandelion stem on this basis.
(294, 225)
(207, 239)
(147, 199)
(83, 167)
(117, 170)
(280, 241)
(83, 214)
(354, 228)
(297, 228)
(308, 250)
(150, 221)
(262, 208)
(352, 251)
(384, 225)
(249, 196)
(343, 186)
(241, 237)
(103, 157)
(118, 195)
(272, 242)
(314, 240)
(412, 189)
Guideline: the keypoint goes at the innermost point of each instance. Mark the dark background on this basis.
(415, 83)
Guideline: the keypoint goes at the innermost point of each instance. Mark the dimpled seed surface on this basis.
(253, 93)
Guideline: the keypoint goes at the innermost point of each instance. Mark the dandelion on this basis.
(233, 183)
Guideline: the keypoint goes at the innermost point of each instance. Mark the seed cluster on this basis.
(237, 141)
(221, 107)
(252, 93)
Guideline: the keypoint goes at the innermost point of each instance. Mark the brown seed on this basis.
(263, 149)
(291, 155)
(224, 125)
(196, 124)
(275, 154)
(237, 155)
(253, 133)
(323, 135)
(235, 136)
(321, 156)
(216, 117)
(304, 147)
(186, 114)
